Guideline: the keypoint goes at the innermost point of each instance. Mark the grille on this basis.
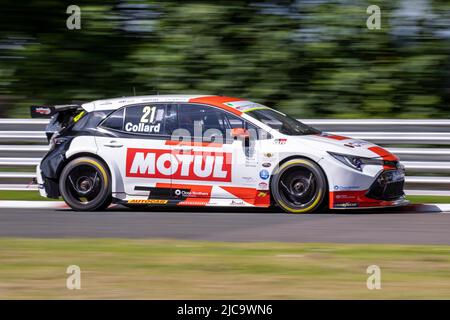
(388, 186)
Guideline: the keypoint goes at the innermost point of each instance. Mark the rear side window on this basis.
(148, 119)
(144, 119)
(114, 121)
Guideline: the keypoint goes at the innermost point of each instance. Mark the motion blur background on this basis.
(311, 59)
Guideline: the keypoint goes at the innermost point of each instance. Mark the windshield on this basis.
(282, 123)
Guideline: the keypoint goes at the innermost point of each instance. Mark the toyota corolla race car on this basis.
(194, 150)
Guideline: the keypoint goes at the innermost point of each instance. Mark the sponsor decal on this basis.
(266, 164)
(191, 193)
(249, 179)
(356, 144)
(243, 105)
(194, 203)
(263, 185)
(346, 205)
(262, 194)
(148, 201)
(237, 203)
(264, 174)
(149, 117)
(268, 157)
(141, 127)
(280, 141)
(162, 99)
(250, 163)
(336, 187)
(43, 110)
(163, 164)
(346, 196)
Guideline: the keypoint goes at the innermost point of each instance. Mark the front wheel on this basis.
(299, 186)
(85, 184)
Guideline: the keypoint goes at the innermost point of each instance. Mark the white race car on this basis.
(197, 150)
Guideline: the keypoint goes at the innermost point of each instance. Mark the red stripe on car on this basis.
(340, 199)
(383, 153)
(218, 101)
(333, 136)
(193, 144)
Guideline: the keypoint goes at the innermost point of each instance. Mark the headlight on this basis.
(356, 162)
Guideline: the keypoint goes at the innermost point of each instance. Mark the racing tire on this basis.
(85, 184)
(299, 186)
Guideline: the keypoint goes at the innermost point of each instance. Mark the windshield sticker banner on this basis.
(244, 106)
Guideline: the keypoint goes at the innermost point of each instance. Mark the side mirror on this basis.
(240, 133)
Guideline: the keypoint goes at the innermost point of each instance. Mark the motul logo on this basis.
(155, 163)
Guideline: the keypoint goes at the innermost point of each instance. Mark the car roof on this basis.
(214, 100)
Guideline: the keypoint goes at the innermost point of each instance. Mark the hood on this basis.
(344, 145)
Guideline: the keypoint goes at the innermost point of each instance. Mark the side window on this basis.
(142, 119)
(145, 119)
(209, 124)
(255, 132)
(114, 121)
(203, 123)
(236, 122)
(171, 118)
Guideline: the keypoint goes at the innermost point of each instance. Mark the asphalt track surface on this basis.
(402, 225)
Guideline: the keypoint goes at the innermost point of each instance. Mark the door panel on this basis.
(210, 157)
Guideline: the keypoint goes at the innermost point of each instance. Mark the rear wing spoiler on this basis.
(61, 116)
(50, 111)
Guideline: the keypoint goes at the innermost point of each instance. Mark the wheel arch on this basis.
(284, 160)
(91, 155)
(84, 154)
(99, 203)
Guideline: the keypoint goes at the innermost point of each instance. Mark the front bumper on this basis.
(385, 191)
(388, 185)
(367, 203)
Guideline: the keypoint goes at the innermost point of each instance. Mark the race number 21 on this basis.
(148, 111)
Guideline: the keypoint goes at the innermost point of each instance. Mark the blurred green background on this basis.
(312, 58)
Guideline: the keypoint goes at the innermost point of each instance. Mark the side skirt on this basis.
(190, 202)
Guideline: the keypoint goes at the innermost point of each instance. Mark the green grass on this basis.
(22, 195)
(168, 269)
(17, 169)
(34, 195)
(429, 199)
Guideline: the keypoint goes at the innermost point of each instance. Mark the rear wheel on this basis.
(299, 186)
(85, 184)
